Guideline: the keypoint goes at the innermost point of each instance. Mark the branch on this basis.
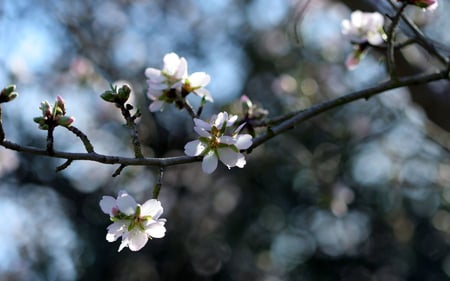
(105, 159)
(283, 126)
(303, 115)
(390, 59)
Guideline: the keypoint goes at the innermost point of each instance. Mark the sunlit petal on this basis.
(152, 208)
(209, 163)
(228, 156)
(126, 204)
(194, 148)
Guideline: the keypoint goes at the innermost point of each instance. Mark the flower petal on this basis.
(243, 141)
(202, 124)
(199, 79)
(115, 230)
(157, 105)
(227, 140)
(209, 163)
(202, 92)
(194, 148)
(241, 161)
(228, 156)
(155, 229)
(126, 204)
(202, 132)
(108, 204)
(152, 208)
(136, 239)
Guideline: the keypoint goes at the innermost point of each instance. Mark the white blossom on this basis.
(364, 27)
(133, 222)
(173, 82)
(214, 145)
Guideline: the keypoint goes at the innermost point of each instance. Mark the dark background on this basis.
(359, 193)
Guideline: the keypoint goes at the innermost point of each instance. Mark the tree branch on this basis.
(271, 132)
(334, 103)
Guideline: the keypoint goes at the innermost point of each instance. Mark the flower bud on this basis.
(46, 109)
(124, 93)
(60, 104)
(66, 121)
(109, 96)
(8, 94)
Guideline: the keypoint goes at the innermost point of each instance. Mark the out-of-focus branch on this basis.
(390, 60)
(304, 115)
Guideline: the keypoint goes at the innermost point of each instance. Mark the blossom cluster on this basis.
(365, 29)
(53, 116)
(133, 222)
(172, 83)
(213, 143)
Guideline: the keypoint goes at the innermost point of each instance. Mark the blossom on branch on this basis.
(172, 82)
(53, 116)
(133, 222)
(364, 28)
(213, 143)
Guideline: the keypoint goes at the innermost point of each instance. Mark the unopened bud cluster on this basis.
(53, 116)
(117, 95)
(8, 94)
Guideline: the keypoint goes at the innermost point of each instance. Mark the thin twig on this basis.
(119, 170)
(390, 57)
(134, 132)
(50, 131)
(86, 142)
(64, 165)
(158, 183)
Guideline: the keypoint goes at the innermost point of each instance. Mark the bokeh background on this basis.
(359, 193)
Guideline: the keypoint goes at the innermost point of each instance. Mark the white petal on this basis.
(154, 94)
(202, 132)
(153, 73)
(202, 92)
(108, 204)
(137, 239)
(194, 148)
(156, 105)
(155, 229)
(228, 156)
(199, 79)
(209, 163)
(231, 120)
(243, 141)
(238, 129)
(181, 71)
(202, 124)
(375, 38)
(357, 18)
(227, 140)
(126, 204)
(115, 230)
(220, 120)
(171, 63)
(156, 85)
(123, 244)
(152, 208)
(241, 161)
